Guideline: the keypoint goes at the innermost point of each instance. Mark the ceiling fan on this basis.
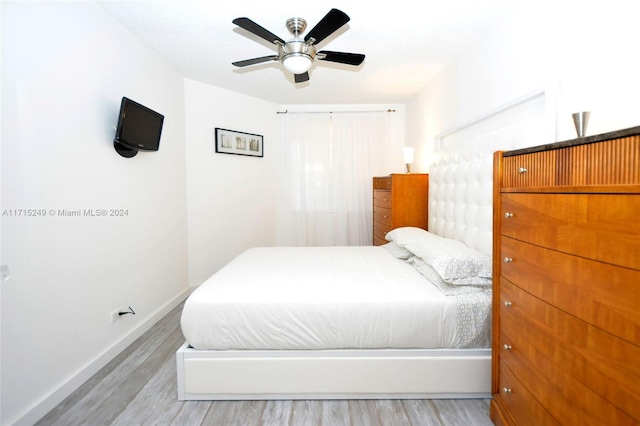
(298, 54)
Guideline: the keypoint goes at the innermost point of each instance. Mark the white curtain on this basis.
(326, 175)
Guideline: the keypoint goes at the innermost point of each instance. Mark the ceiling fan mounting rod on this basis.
(296, 26)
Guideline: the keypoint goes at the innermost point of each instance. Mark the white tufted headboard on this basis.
(461, 170)
(461, 201)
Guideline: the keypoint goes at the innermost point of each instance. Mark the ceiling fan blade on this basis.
(256, 29)
(301, 78)
(341, 57)
(331, 22)
(254, 61)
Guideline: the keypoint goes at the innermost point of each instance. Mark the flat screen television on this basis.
(139, 129)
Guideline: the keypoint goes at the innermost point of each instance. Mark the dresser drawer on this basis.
(596, 380)
(382, 199)
(579, 165)
(530, 170)
(522, 406)
(380, 232)
(382, 182)
(382, 215)
(605, 295)
(379, 241)
(604, 227)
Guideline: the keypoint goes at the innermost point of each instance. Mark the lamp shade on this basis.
(407, 151)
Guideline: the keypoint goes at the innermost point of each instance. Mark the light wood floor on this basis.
(139, 388)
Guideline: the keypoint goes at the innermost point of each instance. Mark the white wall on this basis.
(65, 67)
(580, 53)
(230, 197)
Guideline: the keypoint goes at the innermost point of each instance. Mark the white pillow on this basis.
(403, 236)
(434, 278)
(397, 251)
(454, 261)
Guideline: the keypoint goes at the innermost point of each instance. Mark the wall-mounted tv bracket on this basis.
(124, 151)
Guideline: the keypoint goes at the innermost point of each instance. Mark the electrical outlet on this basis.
(116, 314)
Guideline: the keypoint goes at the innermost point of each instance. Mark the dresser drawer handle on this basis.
(508, 260)
(508, 304)
(506, 390)
(508, 215)
(507, 347)
(522, 170)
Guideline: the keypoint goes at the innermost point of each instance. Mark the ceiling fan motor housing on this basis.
(296, 47)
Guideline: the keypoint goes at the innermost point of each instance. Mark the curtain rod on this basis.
(328, 112)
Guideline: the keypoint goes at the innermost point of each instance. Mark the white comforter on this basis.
(319, 298)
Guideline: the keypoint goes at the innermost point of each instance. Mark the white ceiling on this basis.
(406, 43)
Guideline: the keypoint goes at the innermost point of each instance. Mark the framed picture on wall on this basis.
(239, 143)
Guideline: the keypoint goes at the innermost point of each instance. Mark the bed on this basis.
(376, 342)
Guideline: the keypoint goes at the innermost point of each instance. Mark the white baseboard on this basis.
(49, 402)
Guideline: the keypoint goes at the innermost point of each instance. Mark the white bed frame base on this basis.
(333, 374)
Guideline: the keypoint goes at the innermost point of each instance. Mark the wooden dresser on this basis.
(399, 200)
(566, 260)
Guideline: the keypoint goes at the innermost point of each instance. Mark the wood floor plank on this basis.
(363, 413)
(307, 413)
(191, 413)
(422, 412)
(219, 413)
(392, 412)
(335, 413)
(248, 413)
(277, 413)
(463, 412)
(138, 388)
(235, 413)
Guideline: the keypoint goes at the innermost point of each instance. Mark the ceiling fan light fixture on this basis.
(297, 63)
